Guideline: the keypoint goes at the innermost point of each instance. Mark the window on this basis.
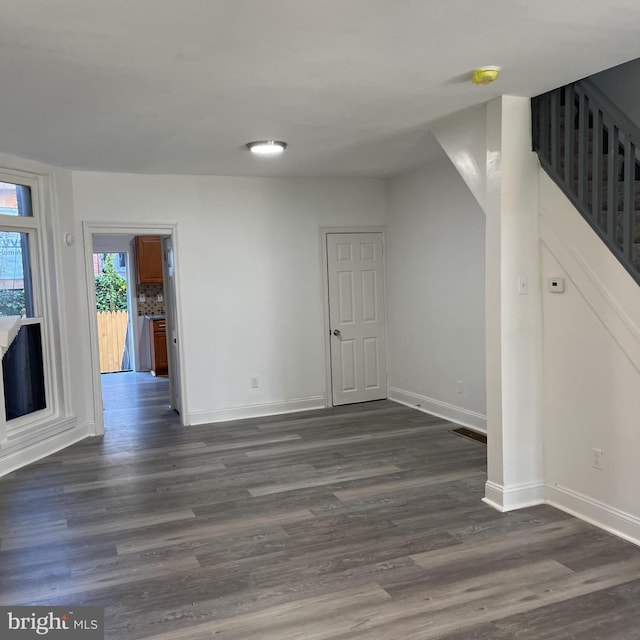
(15, 200)
(25, 364)
(16, 292)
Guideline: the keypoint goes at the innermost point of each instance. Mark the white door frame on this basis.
(324, 231)
(171, 312)
(90, 229)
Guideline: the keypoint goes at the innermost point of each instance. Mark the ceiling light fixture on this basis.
(267, 147)
(485, 75)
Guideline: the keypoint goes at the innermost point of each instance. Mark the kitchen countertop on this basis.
(155, 317)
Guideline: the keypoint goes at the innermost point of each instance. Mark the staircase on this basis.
(589, 147)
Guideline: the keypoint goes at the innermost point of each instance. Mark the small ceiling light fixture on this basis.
(267, 147)
(485, 75)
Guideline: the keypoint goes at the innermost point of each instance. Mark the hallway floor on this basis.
(358, 522)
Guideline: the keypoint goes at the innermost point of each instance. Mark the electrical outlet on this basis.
(255, 382)
(160, 298)
(596, 461)
(142, 298)
(460, 387)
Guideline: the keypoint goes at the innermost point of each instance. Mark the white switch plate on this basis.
(160, 298)
(597, 458)
(523, 286)
(142, 298)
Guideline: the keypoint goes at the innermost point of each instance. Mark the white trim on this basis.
(324, 231)
(48, 296)
(256, 410)
(464, 417)
(9, 327)
(62, 375)
(619, 523)
(25, 437)
(614, 521)
(515, 497)
(90, 229)
(35, 451)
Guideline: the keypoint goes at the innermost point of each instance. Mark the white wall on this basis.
(464, 138)
(591, 371)
(621, 85)
(248, 267)
(435, 293)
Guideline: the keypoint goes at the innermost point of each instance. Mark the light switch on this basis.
(523, 286)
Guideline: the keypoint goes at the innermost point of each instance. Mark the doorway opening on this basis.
(135, 328)
(113, 309)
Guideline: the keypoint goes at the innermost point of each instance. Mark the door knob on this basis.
(336, 332)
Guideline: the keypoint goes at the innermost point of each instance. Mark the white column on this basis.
(508, 194)
(515, 464)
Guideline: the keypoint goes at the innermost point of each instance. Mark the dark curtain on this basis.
(23, 372)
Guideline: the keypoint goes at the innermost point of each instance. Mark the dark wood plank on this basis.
(353, 522)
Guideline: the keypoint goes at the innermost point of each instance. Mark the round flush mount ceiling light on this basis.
(267, 147)
(485, 75)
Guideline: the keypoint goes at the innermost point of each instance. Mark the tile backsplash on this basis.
(151, 306)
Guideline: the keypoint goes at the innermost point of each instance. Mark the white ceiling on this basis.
(168, 86)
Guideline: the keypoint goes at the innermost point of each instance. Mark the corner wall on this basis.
(435, 294)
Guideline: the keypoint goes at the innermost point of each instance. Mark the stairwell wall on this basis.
(591, 371)
(620, 84)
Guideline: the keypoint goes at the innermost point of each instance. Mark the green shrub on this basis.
(12, 302)
(111, 288)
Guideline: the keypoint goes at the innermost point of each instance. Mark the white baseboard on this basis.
(601, 515)
(617, 522)
(256, 410)
(515, 497)
(22, 456)
(450, 412)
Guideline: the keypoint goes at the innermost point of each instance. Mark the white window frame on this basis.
(34, 227)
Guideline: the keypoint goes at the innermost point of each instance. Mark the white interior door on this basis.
(356, 317)
(171, 315)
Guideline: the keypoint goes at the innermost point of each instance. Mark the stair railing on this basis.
(589, 147)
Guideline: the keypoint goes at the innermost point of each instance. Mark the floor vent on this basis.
(470, 434)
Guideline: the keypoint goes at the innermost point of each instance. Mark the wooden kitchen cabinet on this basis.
(158, 337)
(149, 259)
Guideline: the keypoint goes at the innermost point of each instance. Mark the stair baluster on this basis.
(590, 149)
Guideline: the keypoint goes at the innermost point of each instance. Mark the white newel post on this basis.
(9, 327)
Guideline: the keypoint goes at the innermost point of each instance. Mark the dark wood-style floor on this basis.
(360, 522)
